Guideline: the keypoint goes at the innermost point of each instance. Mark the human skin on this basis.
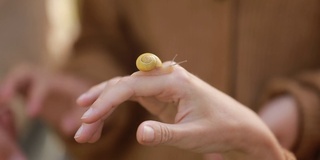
(9, 149)
(194, 115)
(284, 126)
(47, 95)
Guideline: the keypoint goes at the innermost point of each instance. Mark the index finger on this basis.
(127, 87)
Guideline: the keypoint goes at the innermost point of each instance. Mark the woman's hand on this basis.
(9, 149)
(47, 95)
(197, 116)
(284, 126)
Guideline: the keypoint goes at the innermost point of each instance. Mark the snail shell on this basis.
(147, 62)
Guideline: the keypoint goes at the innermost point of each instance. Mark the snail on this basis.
(148, 61)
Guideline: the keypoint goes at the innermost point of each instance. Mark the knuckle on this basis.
(123, 80)
(97, 87)
(182, 76)
(92, 89)
(166, 135)
(114, 81)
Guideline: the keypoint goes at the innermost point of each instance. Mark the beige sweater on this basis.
(238, 46)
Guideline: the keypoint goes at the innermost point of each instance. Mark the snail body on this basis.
(147, 62)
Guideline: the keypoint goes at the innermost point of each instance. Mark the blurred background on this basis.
(40, 32)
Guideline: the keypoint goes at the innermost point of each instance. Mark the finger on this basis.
(90, 96)
(96, 135)
(11, 152)
(36, 97)
(7, 121)
(87, 98)
(17, 155)
(87, 132)
(8, 147)
(153, 133)
(190, 136)
(6, 93)
(126, 88)
(6, 90)
(90, 132)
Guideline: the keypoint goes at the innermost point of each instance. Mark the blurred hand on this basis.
(9, 149)
(284, 126)
(47, 95)
(198, 117)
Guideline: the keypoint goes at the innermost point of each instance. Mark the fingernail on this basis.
(78, 132)
(87, 113)
(148, 134)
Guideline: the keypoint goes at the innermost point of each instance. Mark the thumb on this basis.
(155, 133)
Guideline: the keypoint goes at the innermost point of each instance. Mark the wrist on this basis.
(265, 147)
(256, 142)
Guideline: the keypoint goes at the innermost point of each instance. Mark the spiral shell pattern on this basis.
(147, 62)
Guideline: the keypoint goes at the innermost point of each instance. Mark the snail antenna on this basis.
(176, 63)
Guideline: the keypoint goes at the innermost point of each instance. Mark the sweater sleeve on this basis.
(95, 58)
(101, 51)
(305, 88)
